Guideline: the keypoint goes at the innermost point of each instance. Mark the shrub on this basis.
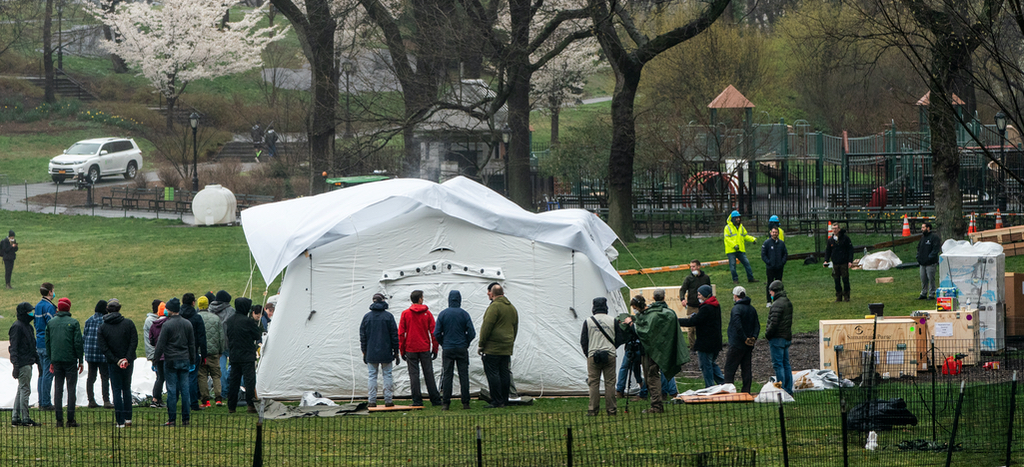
(169, 176)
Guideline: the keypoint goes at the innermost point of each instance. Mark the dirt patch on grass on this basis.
(803, 355)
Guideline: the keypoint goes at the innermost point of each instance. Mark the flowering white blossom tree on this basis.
(562, 78)
(179, 42)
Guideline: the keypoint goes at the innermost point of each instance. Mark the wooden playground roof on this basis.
(730, 98)
(926, 99)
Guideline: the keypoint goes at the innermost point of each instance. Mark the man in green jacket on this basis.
(665, 349)
(65, 346)
(209, 367)
(497, 338)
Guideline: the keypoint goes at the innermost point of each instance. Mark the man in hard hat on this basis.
(736, 238)
(773, 223)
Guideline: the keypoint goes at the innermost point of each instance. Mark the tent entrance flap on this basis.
(429, 268)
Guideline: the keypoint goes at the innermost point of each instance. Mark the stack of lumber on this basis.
(1011, 238)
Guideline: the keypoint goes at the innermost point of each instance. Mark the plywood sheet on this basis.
(718, 398)
(895, 344)
(955, 332)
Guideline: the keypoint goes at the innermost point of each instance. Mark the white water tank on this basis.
(214, 205)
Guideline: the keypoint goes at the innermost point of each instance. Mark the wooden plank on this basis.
(718, 398)
(397, 408)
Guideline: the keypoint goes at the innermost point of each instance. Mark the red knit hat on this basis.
(64, 304)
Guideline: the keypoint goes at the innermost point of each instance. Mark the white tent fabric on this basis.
(397, 236)
(142, 385)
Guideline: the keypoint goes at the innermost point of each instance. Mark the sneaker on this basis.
(198, 408)
(219, 403)
(185, 423)
(170, 424)
(48, 408)
(769, 305)
(29, 422)
(465, 406)
(922, 297)
(16, 423)
(230, 410)
(206, 404)
(127, 423)
(120, 426)
(72, 424)
(389, 404)
(92, 405)
(60, 423)
(108, 405)
(591, 413)
(618, 394)
(444, 407)
(371, 404)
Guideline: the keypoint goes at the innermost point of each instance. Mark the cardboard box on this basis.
(677, 305)
(946, 304)
(894, 345)
(1014, 294)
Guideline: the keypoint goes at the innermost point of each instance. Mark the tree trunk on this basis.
(322, 128)
(49, 80)
(171, 101)
(556, 110)
(520, 190)
(116, 62)
(623, 151)
(946, 60)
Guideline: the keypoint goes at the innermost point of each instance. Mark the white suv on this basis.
(94, 158)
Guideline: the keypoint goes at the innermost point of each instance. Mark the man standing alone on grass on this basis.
(773, 253)
(744, 328)
(177, 346)
(736, 238)
(64, 345)
(454, 331)
(118, 342)
(9, 251)
(378, 339)
(688, 293)
(779, 332)
(928, 250)
(839, 250)
(45, 311)
(600, 337)
(417, 345)
(498, 333)
(244, 335)
(23, 356)
(707, 322)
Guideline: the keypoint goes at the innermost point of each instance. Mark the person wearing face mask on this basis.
(773, 253)
(707, 322)
(839, 250)
(23, 357)
(688, 294)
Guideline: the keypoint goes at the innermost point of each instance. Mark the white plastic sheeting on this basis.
(142, 384)
(880, 261)
(397, 236)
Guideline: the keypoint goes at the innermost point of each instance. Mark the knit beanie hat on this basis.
(10, 233)
(705, 291)
(173, 305)
(64, 304)
(203, 303)
(210, 297)
(224, 297)
(162, 309)
(113, 305)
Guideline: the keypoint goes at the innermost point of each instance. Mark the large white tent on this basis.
(396, 236)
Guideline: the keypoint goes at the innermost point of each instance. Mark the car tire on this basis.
(94, 174)
(132, 171)
(57, 179)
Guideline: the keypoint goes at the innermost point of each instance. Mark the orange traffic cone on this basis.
(999, 219)
(972, 228)
(829, 228)
(906, 226)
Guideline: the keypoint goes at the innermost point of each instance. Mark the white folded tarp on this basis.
(880, 261)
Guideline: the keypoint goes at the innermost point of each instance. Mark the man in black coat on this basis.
(779, 333)
(188, 311)
(244, 335)
(118, 341)
(773, 253)
(707, 324)
(744, 327)
(839, 250)
(9, 251)
(177, 345)
(23, 356)
(928, 250)
(688, 294)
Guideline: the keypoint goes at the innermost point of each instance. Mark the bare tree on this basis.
(628, 49)
(50, 79)
(15, 18)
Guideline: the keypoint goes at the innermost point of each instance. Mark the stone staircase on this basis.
(243, 151)
(66, 86)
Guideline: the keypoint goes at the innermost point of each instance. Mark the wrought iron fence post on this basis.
(842, 405)
(1013, 409)
(568, 446)
(257, 454)
(479, 447)
(782, 428)
(935, 437)
(956, 422)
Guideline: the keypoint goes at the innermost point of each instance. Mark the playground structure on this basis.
(803, 175)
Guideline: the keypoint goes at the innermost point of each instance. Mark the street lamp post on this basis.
(506, 136)
(348, 67)
(193, 121)
(1001, 126)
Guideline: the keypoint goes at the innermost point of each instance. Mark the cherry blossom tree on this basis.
(562, 78)
(179, 42)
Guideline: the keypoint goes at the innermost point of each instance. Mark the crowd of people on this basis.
(188, 342)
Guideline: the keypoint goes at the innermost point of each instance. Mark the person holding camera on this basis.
(600, 337)
(9, 251)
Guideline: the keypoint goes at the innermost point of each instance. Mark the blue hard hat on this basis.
(735, 214)
(773, 219)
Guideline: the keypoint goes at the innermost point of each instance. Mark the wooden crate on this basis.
(954, 332)
(892, 332)
(671, 297)
(921, 338)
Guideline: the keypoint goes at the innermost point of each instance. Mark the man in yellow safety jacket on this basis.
(736, 239)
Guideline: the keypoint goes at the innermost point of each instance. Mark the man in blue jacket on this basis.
(378, 339)
(454, 331)
(45, 311)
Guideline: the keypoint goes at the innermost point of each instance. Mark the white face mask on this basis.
(700, 300)
(695, 272)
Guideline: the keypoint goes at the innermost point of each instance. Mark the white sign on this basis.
(943, 329)
(894, 357)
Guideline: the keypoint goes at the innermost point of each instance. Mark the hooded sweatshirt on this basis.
(708, 323)
(378, 334)
(176, 340)
(198, 329)
(743, 323)
(416, 330)
(243, 333)
(454, 328)
(118, 338)
(23, 340)
(592, 340)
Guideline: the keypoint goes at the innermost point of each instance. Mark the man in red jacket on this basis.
(417, 345)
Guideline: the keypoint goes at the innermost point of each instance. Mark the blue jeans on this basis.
(121, 383)
(224, 375)
(746, 265)
(389, 384)
(176, 377)
(710, 369)
(780, 362)
(193, 388)
(631, 359)
(45, 381)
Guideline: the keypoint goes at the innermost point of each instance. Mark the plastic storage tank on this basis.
(214, 205)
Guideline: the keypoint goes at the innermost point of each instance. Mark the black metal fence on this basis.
(920, 412)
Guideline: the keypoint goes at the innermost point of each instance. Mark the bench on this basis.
(244, 201)
(116, 193)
